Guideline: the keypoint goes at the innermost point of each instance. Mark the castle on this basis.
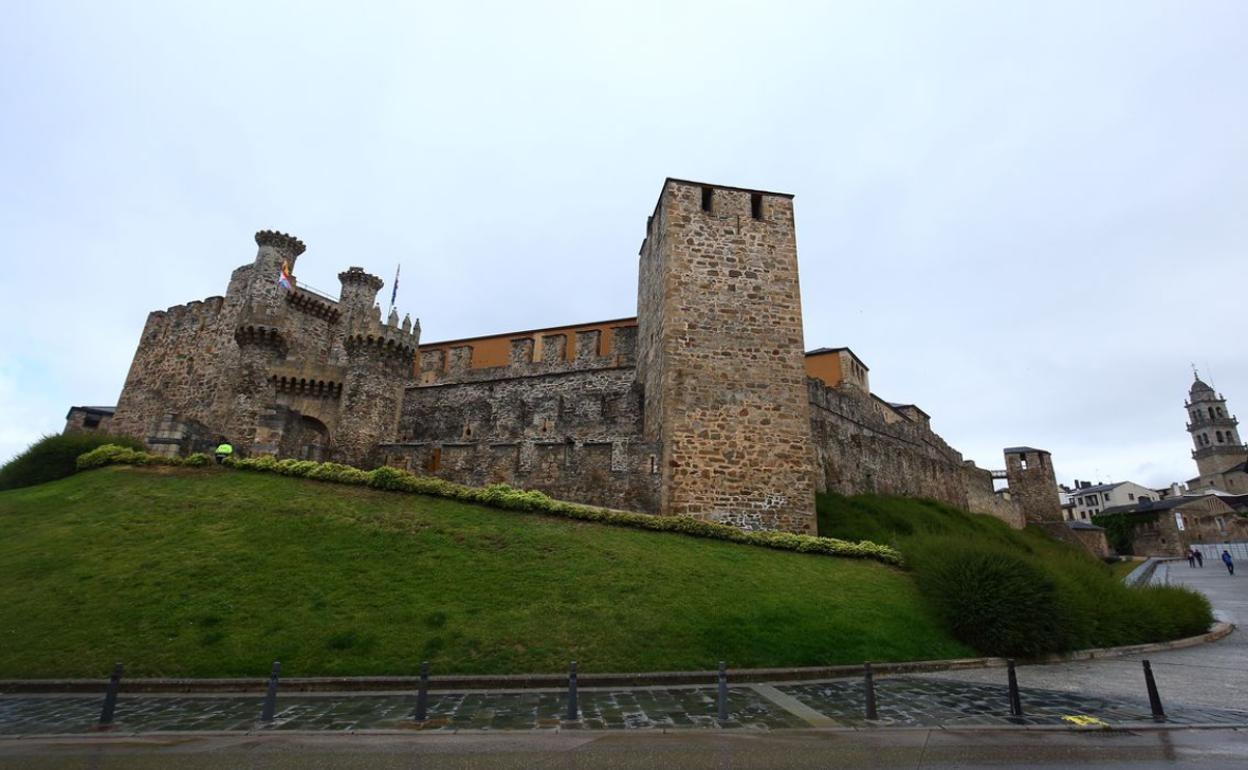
(705, 404)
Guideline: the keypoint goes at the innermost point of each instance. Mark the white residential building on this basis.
(1089, 499)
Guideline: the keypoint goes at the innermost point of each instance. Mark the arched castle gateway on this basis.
(706, 404)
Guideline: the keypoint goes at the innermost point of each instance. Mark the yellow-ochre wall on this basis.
(826, 367)
(495, 349)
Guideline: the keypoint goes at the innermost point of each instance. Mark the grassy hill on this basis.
(217, 573)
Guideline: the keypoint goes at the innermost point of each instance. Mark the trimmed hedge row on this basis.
(507, 498)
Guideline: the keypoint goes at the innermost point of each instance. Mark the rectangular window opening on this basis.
(756, 205)
(707, 194)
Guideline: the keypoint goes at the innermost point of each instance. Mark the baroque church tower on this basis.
(1219, 453)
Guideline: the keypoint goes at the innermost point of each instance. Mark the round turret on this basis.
(359, 290)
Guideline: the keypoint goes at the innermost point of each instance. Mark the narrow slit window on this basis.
(756, 205)
(707, 194)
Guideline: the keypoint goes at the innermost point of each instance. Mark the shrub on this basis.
(54, 457)
(996, 601)
(198, 460)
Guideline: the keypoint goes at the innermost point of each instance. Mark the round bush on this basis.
(55, 457)
(991, 599)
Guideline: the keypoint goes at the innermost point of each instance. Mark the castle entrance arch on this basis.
(313, 439)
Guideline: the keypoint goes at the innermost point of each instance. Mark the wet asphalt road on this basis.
(652, 750)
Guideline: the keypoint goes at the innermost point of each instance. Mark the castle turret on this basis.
(721, 357)
(262, 334)
(359, 291)
(276, 251)
(1033, 483)
(1214, 431)
(381, 360)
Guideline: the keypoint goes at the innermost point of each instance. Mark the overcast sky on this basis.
(1029, 219)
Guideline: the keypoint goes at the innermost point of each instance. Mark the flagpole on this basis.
(394, 291)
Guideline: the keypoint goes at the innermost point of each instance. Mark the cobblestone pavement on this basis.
(644, 708)
(903, 701)
(913, 702)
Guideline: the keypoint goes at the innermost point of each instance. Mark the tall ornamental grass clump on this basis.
(54, 457)
(991, 599)
(1013, 603)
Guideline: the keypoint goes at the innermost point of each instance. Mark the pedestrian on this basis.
(1200, 559)
(1191, 558)
(1226, 559)
(224, 450)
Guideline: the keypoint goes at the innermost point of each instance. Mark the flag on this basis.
(283, 279)
(394, 292)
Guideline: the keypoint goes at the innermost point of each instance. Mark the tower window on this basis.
(756, 205)
(1219, 437)
(1210, 413)
(707, 194)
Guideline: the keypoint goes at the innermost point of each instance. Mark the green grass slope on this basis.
(212, 573)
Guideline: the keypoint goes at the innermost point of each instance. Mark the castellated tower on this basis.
(380, 360)
(1033, 483)
(263, 338)
(721, 358)
(1214, 431)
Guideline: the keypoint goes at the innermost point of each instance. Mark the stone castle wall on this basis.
(184, 357)
(569, 428)
(858, 450)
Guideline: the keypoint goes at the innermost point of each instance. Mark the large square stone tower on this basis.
(721, 357)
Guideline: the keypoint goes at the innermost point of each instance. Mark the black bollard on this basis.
(723, 692)
(1016, 703)
(868, 678)
(422, 695)
(110, 695)
(1154, 699)
(270, 697)
(573, 711)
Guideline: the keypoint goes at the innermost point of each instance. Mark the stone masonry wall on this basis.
(722, 358)
(572, 429)
(859, 451)
(184, 356)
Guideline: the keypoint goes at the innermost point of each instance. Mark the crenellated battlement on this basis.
(259, 335)
(313, 304)
(281, 241)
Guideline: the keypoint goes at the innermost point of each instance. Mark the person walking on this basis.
(1200, 559)
(1226, 559)
(1191, 558)
(224, 450)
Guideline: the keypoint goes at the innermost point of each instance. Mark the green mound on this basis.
(186, 572)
